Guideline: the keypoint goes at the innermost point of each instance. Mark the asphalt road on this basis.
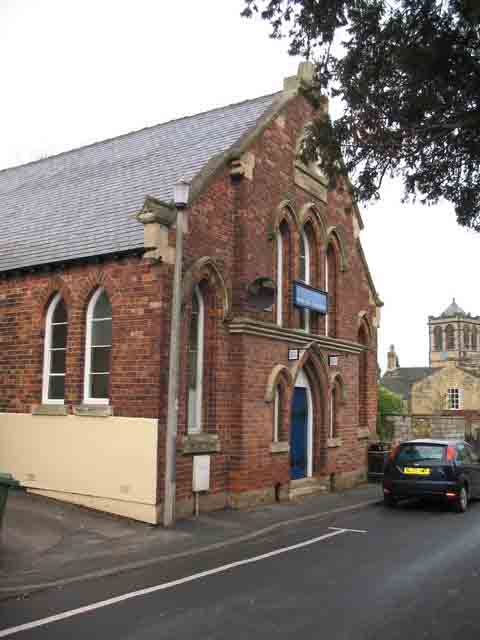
(415, 573)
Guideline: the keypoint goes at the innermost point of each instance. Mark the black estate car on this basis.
(446, 469)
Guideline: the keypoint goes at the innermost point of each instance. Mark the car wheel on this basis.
(389, 501)
(461, 503)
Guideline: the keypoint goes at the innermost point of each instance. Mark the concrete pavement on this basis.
(48, 543)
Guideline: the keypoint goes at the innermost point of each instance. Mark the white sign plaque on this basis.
(201, 473)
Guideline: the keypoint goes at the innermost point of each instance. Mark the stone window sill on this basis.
(92, 410)
(363, 434)
(50, 410)
(334, 442)
(198, 443)
(280, 447)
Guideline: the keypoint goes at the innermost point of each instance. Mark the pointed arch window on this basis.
(438, 339)
(450, 337)
(304, 274)
(304, 258)
(55, 352)
(277, 414)
(279, 313)
(333, 412)
(363, 376)
(331, 289)
(195, 362)
(98, 349)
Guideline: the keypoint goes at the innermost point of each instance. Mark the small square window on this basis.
(453, 399)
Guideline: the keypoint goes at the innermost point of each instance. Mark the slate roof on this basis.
(80, 203)
(401, 380)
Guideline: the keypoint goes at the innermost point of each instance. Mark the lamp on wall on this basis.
(181, 192)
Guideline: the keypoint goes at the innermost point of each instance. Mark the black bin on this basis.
(378, 453)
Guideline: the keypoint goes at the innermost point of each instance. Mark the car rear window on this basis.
(410, 453)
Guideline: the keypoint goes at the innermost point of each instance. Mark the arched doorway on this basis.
(301, 431)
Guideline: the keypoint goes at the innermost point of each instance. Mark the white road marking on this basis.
(168, 585)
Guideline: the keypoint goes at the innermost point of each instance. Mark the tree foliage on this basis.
(408, 72)
(389, 403)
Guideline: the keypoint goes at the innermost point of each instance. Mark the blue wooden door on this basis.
(298, 434)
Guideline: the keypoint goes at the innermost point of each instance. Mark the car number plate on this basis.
(416, 471)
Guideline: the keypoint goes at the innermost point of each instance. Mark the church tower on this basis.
(454, 336)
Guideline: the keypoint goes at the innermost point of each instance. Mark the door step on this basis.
(308, 486)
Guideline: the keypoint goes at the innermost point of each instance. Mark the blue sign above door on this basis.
(308, 297)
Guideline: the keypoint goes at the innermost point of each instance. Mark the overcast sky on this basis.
(77, 71)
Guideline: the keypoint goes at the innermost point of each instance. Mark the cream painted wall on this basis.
(109, 458)
(428, 395)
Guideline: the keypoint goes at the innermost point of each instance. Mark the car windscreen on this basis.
(413, 452)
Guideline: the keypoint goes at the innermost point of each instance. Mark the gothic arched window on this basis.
(279, 305)
(331, 277)
(55, 351)
(283, 273)
(98, 349)
(333, 412)
(363, 374)
(277, 414)
(304, 274)
(195, 362)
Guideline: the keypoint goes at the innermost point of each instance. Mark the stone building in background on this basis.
(450, 386)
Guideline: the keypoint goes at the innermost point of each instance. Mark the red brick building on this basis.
(282, 398)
